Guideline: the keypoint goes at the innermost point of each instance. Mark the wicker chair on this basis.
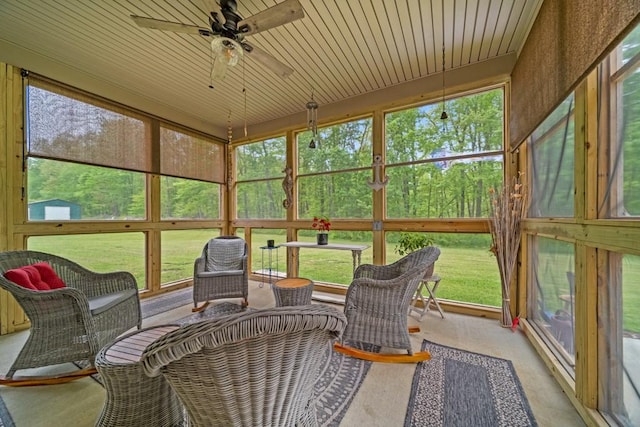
(249, 369)
(377, 304)
(70, 323)
(221, 271)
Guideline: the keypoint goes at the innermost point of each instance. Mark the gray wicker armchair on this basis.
(255, 368)
(377, 305)
(221, 271)
(70, 323)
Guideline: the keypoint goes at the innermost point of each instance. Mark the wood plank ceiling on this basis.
(340, 49)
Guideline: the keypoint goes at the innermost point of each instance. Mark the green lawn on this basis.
(468, 274)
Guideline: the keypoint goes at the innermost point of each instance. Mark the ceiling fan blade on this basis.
(177, 27)
(212, 6)
(270, 62)
(282, 13)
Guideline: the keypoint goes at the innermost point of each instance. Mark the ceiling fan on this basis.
(228, 31)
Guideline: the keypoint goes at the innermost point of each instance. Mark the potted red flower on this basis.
(322, 225)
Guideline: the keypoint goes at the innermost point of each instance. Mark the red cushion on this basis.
(49, 276)
(36, 279)
(39, 276)
(20, 277)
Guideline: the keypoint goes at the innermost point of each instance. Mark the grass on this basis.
(468, 274)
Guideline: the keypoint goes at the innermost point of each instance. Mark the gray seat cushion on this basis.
(221, 273)
(102, 303)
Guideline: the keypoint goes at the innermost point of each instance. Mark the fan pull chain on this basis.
(444, 115)
(244, 92)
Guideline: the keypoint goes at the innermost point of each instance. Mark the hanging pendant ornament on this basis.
(377, 183)
(312, 120)
(444, 115)
(229, 156)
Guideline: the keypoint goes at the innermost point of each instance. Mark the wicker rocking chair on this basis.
(221, 271)
(377, 305)
(255, 368)
(72, 320)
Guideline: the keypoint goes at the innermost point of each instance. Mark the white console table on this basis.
(356, 253)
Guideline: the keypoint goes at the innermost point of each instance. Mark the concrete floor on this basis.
(381, 400)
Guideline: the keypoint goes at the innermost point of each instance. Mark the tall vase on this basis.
(323, 238)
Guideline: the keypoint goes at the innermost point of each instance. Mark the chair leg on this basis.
(199, 309)
(382, 357)
(47, 380)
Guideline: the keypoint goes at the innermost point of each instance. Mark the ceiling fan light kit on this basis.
(224, 53)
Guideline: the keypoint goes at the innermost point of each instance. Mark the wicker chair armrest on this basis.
(40, 306)
(376, 272)
(244, 265)
(95, 284)
(365, 282)
(382, 291)
(199, 265)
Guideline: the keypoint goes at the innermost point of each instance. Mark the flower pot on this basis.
(323, 238)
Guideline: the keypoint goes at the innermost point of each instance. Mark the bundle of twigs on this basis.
(508, 208)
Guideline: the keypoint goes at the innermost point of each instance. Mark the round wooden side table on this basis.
(293, 291)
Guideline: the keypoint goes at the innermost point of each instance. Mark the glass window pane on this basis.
(262, 258)
(102, 253)
(445, 189)
(336, 195)
(263, 159)
(68, 126)
(619, 357)
(553, 292)
(630, 45)
(474, 125)
(260, 200)
(624, 195)
(468, 271)
(72, 191)
(630, 339)
(188, 156)
(339, 147)
(552, 164)
(329, 265)
(180, 248)
(189, 199)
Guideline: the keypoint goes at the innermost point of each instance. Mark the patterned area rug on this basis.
(213, 312)
(163, 303)
(5, 416)
(339, 384)
(458, 388)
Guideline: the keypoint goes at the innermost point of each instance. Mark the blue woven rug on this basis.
(457, 388)
(5, 416)
(163, 303)
(339, 384)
